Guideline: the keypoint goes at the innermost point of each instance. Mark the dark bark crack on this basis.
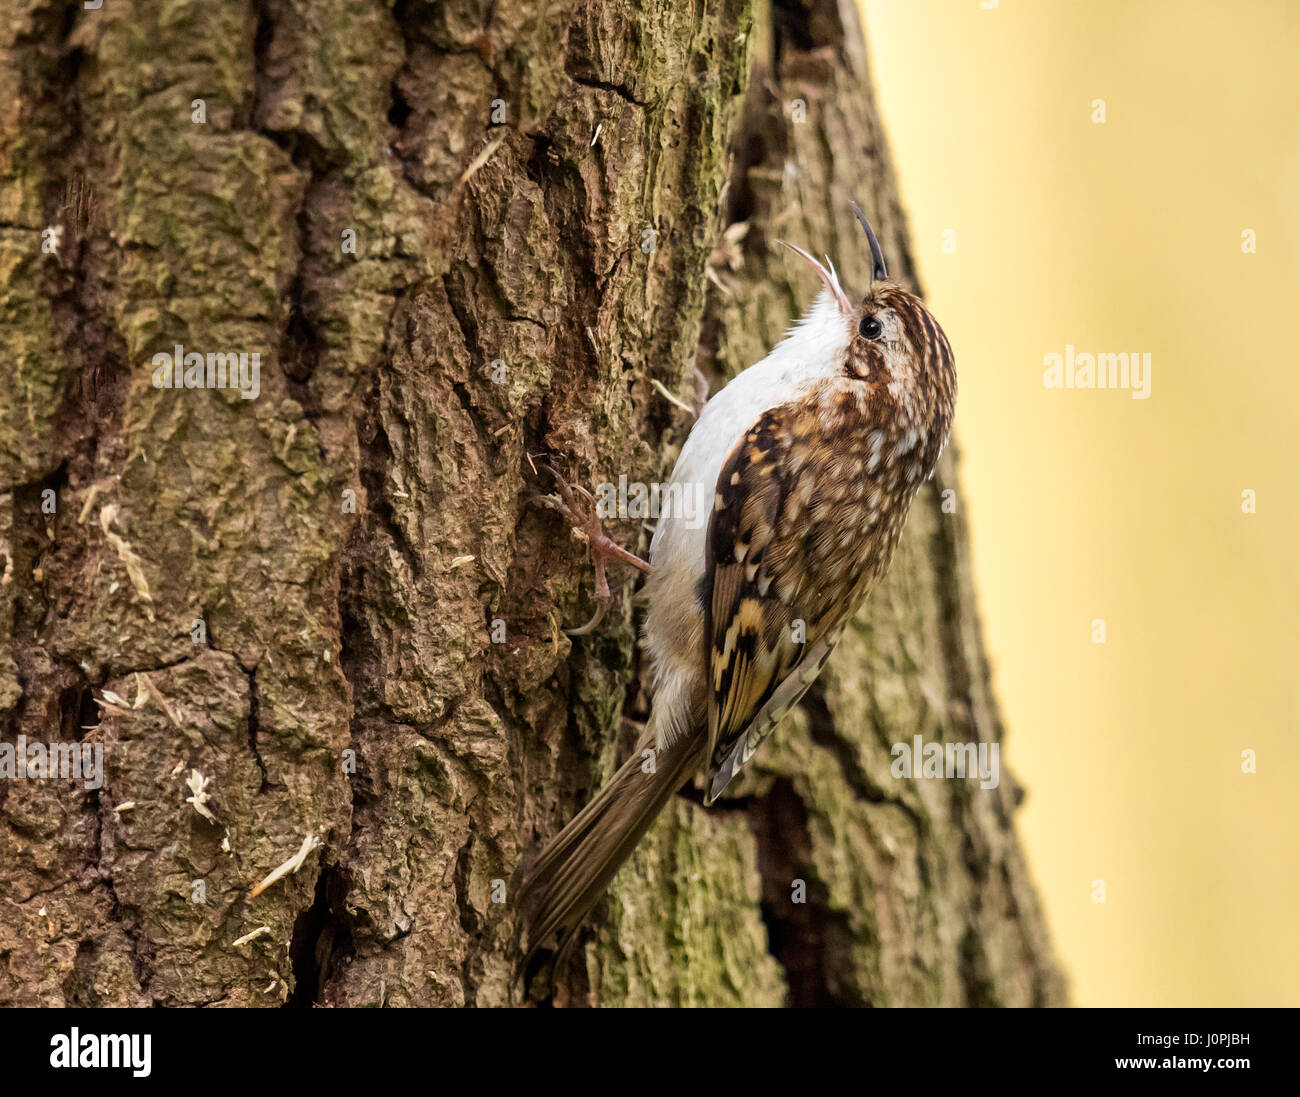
(809, 939)
(620, 90)
(254, 728)
(469, 919)
(322, 939)
(823, 732)
(140, 962)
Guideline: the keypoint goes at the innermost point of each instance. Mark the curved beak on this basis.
(878, 268)
(829, 277)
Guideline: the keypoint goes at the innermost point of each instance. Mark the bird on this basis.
(812, 457)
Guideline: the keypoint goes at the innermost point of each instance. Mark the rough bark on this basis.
(382, 665)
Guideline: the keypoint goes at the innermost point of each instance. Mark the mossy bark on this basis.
(554, 206)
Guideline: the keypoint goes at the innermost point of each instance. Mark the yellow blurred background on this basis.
(1127, 235)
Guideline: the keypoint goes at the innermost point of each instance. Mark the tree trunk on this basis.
(463, 238)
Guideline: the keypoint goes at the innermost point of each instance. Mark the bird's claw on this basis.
(585, 524)
(602, 607)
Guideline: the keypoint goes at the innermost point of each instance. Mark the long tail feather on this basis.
(576, 866)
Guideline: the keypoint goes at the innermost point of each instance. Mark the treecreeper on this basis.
(812, 457)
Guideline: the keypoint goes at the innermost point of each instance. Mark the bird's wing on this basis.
(772, 619)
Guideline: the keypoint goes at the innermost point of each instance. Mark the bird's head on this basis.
(889, 338)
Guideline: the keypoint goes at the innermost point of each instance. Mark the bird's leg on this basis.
(587, 527)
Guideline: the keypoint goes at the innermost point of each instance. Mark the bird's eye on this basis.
(870, 328)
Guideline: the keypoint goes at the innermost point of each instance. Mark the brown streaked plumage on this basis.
(813, 457)
(808, 511)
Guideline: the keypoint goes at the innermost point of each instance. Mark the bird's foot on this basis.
(579, 509)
